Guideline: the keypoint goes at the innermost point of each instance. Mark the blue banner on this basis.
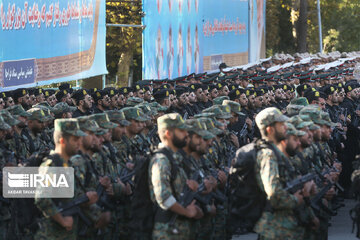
(186, 36)
(59, 40)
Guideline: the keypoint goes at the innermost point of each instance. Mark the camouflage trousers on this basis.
(4, 225)
(205, 228)
(220, 223)
(50, 230)
(185, 231)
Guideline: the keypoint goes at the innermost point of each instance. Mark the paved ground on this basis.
(340, 229)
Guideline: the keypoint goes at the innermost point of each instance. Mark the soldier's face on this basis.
(97, 143)
(183, 99)
(72, 145)
(266, 99)
(234, 118)
(68, 99)
(192, 97)
(224, 91)
(206, 94)
(199, 95)
(223, 121)
(87, 102)
(280, 131)
(108, 136)
(40, 98)
(179, 137)
(10, 102)
(135, 127)
(335, 97)
(105, 102)
(32, 100)
(194, 142)
(243, 100)
(316, 135)
(322, 103)
(23, 122)
(140, 94)
(259, 102)
(203, 147)
(121, 100)
(278, 94)
(341, 96)
(147, 96)
(87, 141)
(325, 133)
(251, 102)
(214, 93)
(292, 145)
(354, 94)
(114, 101)
(117, 133)
(307, 139)
(36, 126)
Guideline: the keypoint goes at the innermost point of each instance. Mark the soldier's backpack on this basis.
(246, 199)
(143, 210)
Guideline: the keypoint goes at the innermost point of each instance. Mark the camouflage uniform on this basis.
(165, 193)
(34, 143)
(4, 207)
(49, 229)
(272, 175)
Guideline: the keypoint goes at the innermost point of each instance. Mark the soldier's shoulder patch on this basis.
(77, 160)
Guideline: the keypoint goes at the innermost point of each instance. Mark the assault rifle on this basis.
(73, 209)
(126, 176)
(243, 134)
(104, 200)
(297, 184)
(316, 202)
(186, 198)
(328, 171)
(152, 133)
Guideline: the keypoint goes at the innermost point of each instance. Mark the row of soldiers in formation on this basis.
(115, 133)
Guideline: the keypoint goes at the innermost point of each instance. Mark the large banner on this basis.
(186, 36)
(49, 41)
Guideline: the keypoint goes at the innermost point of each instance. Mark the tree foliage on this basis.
(340, 26)
(123, 44)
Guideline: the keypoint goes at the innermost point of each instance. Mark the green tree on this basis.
(340, 25)
(123, 44)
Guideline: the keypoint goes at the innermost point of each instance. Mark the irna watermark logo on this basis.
(40, 182)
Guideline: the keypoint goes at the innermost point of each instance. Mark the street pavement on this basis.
(340, 229)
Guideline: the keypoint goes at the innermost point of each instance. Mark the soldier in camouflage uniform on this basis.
(197, 146)
(220, 151)
(18, 143)
(173, 135)
(63, 110)
(106, 165)
(133, 148)
(54, 225)
(5, 214)
(86, 174)
(279, 222)
(32, 134)
(122, 208)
